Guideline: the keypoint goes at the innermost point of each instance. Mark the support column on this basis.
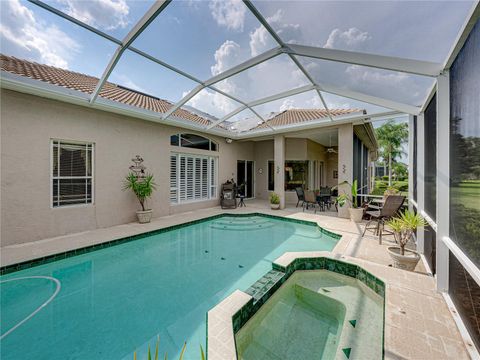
(443, 179)
(411, 126)
(421, 178)
(279, 171)
(345, 164)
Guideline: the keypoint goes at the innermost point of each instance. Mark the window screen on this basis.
(72, 173)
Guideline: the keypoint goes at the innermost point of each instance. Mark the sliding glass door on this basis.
(246, 178)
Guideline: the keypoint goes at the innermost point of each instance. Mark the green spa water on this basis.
(311, 316)
(108, 303)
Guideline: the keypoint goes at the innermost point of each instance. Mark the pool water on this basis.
(315, 315)
(117, 300)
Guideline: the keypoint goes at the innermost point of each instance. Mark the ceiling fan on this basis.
(330, 149)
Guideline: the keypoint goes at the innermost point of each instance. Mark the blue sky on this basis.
(205, 38)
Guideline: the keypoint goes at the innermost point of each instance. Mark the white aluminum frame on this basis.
(423, 68)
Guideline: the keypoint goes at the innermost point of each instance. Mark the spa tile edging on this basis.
(83, 250)
(266, 286)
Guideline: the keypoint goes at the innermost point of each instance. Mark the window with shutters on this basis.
(72, 173)
(192, 178)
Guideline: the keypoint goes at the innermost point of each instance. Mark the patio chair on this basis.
(310, 200)
(300, 195)
(228, 196)
(390, 208)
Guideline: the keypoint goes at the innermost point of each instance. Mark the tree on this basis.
(391, 136)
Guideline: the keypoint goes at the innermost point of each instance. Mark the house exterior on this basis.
(41, 198)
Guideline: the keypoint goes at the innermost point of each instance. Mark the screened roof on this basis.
(239, 64)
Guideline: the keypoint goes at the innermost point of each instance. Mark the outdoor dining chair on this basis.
(310, 200)
(392, 204)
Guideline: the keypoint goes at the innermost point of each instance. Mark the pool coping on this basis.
(227, 318)
(11, 268)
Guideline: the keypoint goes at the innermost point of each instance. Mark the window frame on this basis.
(54, 141)
(179, 138)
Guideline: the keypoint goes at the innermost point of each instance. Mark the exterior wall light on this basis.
(228, 140)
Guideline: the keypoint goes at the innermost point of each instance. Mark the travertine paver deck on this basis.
(418, 322)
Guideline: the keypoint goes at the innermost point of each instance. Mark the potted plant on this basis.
(274, 201)
(403, 227)
(356, 212)
(142, 185)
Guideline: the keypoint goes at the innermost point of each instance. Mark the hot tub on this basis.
(315, 314)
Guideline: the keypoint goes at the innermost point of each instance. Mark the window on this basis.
(193, 141)
(72, 173)
(296, 174)
(192, 178)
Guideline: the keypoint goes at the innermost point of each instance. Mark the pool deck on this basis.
(418, 322)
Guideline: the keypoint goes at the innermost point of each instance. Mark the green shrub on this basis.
(274, 198)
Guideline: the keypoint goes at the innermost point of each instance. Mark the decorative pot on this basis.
(274, 206)
(144, 216)
(356, 214)
(406, 262)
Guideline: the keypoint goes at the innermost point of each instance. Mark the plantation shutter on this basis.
(198, 178)
(204, 178)
(213, 177)
(173, 178)
(183, 178)
(192, 178)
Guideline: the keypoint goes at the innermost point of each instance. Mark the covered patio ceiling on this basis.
(318, 69)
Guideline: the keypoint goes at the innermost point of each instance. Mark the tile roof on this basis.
(85, 83)
(297, 116)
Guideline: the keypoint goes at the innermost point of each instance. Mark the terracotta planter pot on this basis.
(274, 206)
(406, 262)
(356, 215)
(144, 216)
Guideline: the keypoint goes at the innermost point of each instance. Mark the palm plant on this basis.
(391, 137)
(156, 356)
(142, 187)
(404, 226)
(347, 198)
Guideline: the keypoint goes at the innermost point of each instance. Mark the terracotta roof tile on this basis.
(296, 116)
(86, 84)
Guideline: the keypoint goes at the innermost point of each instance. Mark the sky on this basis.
(205, 38)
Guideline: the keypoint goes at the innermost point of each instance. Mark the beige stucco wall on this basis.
(27, 125)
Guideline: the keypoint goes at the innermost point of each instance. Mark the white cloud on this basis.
(287, 104)
(212, 103)
(230, 14)
(226, 56)
(28, 37)
(352, 38)
(261, 40)
(103, 14)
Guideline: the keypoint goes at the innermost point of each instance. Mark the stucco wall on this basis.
(27, 125)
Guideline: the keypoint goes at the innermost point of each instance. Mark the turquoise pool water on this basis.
(109, 303)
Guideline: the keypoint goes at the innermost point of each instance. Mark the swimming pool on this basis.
(106, 304)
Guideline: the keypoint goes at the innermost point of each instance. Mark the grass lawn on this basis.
(466, 193)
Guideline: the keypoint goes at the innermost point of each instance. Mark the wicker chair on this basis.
(390, 208)
(300, 195)
(310, 200)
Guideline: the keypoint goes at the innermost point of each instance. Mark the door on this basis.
(245, 178)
